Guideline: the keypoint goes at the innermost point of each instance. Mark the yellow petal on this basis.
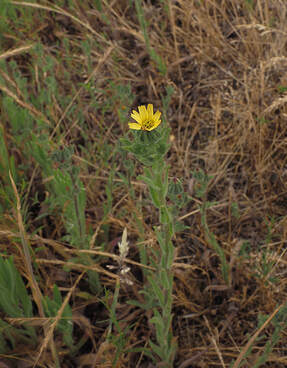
(143, 112)
(157, 115)
(155, 125)
(150, 110)
(136, 116)
(135, 126)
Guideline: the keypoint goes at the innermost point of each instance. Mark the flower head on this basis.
(145, 118)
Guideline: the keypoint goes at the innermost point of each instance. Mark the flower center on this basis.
(147, 124)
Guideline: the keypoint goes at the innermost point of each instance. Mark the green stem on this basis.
(165, 275)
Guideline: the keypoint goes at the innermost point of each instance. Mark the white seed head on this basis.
(124, 245)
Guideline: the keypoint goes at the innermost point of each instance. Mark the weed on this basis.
(15, 302)
(150, 147)
(201, 186)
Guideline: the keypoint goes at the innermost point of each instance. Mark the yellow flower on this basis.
(145, 118)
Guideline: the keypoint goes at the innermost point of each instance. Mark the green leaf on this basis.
(166, 280)
(155, 197)
(164, 215)
(157, 291)
(149, 182)
(157, 349)
(65, 325)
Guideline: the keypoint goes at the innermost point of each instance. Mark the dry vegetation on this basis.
(227, 64)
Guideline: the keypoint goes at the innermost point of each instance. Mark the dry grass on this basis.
(227, 63)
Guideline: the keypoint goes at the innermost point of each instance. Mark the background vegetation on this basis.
(71, 71)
